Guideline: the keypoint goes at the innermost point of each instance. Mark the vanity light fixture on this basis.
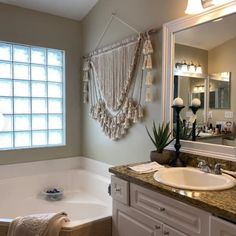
(219, 2)
(188, 68)
(194, 7)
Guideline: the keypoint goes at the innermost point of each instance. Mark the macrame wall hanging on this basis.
(110, 81)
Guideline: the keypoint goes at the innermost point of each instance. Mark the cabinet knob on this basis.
(166, 233)
(161, 209)
(157, 226)
(117, 189)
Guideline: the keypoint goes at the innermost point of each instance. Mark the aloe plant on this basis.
(185, 131)
(161, 136)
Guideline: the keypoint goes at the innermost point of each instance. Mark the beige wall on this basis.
(143, 15)
(222, 59)
(31, 27)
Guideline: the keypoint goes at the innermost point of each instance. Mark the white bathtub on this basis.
(84, 181)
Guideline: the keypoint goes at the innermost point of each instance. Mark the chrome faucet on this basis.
(217, 168)
(202, 165)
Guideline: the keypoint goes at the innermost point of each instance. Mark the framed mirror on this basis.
(199, 53)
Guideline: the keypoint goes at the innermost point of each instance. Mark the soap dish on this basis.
(53, 193)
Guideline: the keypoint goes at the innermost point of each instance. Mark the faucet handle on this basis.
(217, 168)
(201, 163)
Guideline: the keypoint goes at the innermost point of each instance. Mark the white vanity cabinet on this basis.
(138, 211)
(221, 227)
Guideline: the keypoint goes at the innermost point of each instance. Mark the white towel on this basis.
(38, 225)
(146, 168)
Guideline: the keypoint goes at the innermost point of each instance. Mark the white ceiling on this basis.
(209, 35)
(73, 9)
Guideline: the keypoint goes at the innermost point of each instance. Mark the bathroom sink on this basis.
(193, 179)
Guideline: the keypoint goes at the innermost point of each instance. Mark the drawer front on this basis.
(120, 190)
(190, 220)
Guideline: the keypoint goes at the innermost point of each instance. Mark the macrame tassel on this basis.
(118, 120)
(140, 112)
(148, 97)
(126, 105)
(144, 62)
(86, 76)
(129, 115)
(113, 135)
(86, 65)
(149, 48)
(126, 125)
(135, 118)
(149, 78)
(118, 133)
(85, 86)
(123, 130)
(85, 92)
(149, 62)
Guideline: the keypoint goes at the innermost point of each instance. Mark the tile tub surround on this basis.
(219, 203)
(81, 178)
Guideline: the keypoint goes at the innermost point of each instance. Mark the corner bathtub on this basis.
(85, 183)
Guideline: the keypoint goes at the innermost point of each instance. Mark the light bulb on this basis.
(194, 7)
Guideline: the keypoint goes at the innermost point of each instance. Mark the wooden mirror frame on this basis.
(169, 29)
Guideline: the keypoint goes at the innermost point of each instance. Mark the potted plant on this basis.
(160, 139)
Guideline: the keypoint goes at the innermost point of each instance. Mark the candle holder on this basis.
(194, 110)
(176, 162)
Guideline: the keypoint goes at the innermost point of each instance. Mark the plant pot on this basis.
(163, 158)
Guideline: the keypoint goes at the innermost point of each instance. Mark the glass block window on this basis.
(32, 101)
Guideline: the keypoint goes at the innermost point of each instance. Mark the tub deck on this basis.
(85, 200)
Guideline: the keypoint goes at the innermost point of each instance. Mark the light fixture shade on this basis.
(219, 2)
(199, 69)
(194, 7)
(191, 68)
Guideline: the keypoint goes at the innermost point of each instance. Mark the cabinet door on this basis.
(168, 231)
(220, 227)
(130, 222)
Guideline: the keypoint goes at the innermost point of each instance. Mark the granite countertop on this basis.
(220, 203)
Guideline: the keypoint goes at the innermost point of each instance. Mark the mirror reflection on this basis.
(205, 57)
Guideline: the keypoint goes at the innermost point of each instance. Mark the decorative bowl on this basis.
(53, 193)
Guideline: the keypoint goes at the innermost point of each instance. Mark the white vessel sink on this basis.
(193, 179)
